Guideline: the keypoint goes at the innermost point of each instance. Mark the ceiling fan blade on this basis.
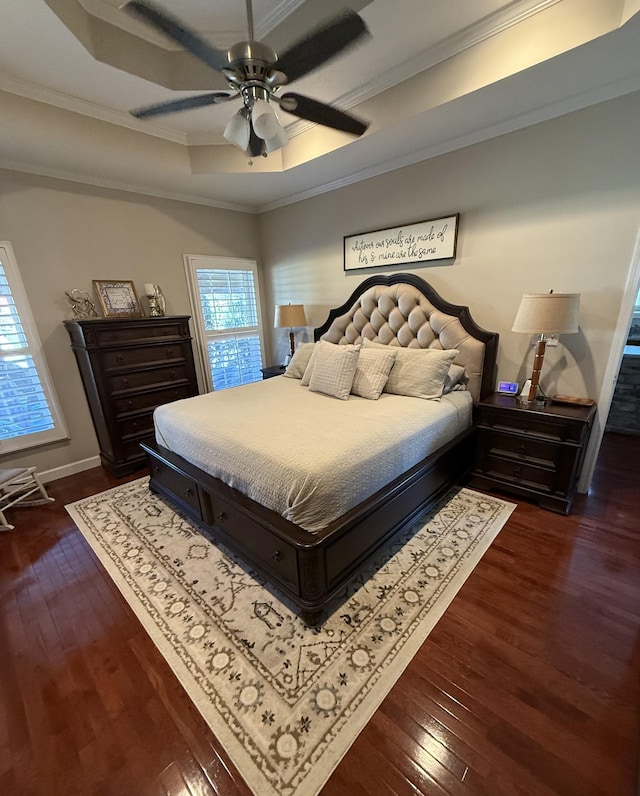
(319, 112)
(175, 30)
(185, 104)
(321, 44)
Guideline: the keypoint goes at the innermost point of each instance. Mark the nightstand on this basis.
(274, 370)
(534, 453)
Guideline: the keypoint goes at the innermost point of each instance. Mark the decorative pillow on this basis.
(417, 372)
(334, 369)
(299, 361)
(306, 376)
(372, 372)
(455, 379)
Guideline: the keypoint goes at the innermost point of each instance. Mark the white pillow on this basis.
(306, 376)
(417, 372)
(455, 379)
(299, 361)
(334, 369)
(372, 372)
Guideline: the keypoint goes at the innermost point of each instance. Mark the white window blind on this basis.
(226, 304)
(29, 413)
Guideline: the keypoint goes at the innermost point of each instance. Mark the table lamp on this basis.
(545, 314)
(289, 316)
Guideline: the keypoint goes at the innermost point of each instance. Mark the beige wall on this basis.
(65, 234)
(556, 205)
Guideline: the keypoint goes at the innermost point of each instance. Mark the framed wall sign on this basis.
(412, 243)
(117, 298)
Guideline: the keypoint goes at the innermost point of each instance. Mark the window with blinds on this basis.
(226, 307)
(29, 413)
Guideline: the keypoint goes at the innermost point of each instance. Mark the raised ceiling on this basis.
(435, 75)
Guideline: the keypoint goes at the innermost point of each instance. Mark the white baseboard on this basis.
(69, 469)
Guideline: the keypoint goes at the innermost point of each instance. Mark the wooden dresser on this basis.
(534, 453)
(128, 367)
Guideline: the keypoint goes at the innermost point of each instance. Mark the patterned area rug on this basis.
(286, 701)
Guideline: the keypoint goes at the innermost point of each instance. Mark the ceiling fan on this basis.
(255, 73)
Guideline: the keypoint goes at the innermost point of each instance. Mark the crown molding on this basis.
(521, 121)
(116, 185)
(59, 99)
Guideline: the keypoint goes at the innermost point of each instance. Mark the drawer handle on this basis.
(517, 471)
(135, 424)
(172, 374)
(523, 446)
(221, 516)
(156, 468)
(275, 555)
(120, 358)
(125, 382)
(188, 492)
(169, 352)
(130, 404)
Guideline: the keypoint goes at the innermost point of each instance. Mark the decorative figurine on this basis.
(157, 303)
(81, 304)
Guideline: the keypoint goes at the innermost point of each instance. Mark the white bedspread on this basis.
(303, 454)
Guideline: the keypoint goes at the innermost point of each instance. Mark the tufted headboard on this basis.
(404, 310)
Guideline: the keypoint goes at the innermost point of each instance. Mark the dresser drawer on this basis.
(133, 380)
(532, 424)
(131, 451)
(143, 355)
(150, 399)
(137, 425)
(108, 334)
(534, 449)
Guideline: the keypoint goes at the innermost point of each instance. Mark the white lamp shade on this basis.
(265, 121)
(149, 289)
(279, 140)
(548, 313)
(237, 132)
(289, 315)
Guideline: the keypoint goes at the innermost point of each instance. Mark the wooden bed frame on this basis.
(310, 569)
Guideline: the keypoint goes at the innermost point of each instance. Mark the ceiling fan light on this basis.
(265, 121)
(277, 141)
(237, 132)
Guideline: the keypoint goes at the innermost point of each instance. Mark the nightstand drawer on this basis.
(520, 472)
(519, 447)
(534, 424)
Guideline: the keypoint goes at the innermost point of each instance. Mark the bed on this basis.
(306, 488)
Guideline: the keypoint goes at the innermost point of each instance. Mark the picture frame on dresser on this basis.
(118, 298)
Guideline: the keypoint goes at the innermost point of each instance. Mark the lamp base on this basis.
(524, 403)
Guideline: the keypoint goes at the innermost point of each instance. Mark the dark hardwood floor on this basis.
(528, 686)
